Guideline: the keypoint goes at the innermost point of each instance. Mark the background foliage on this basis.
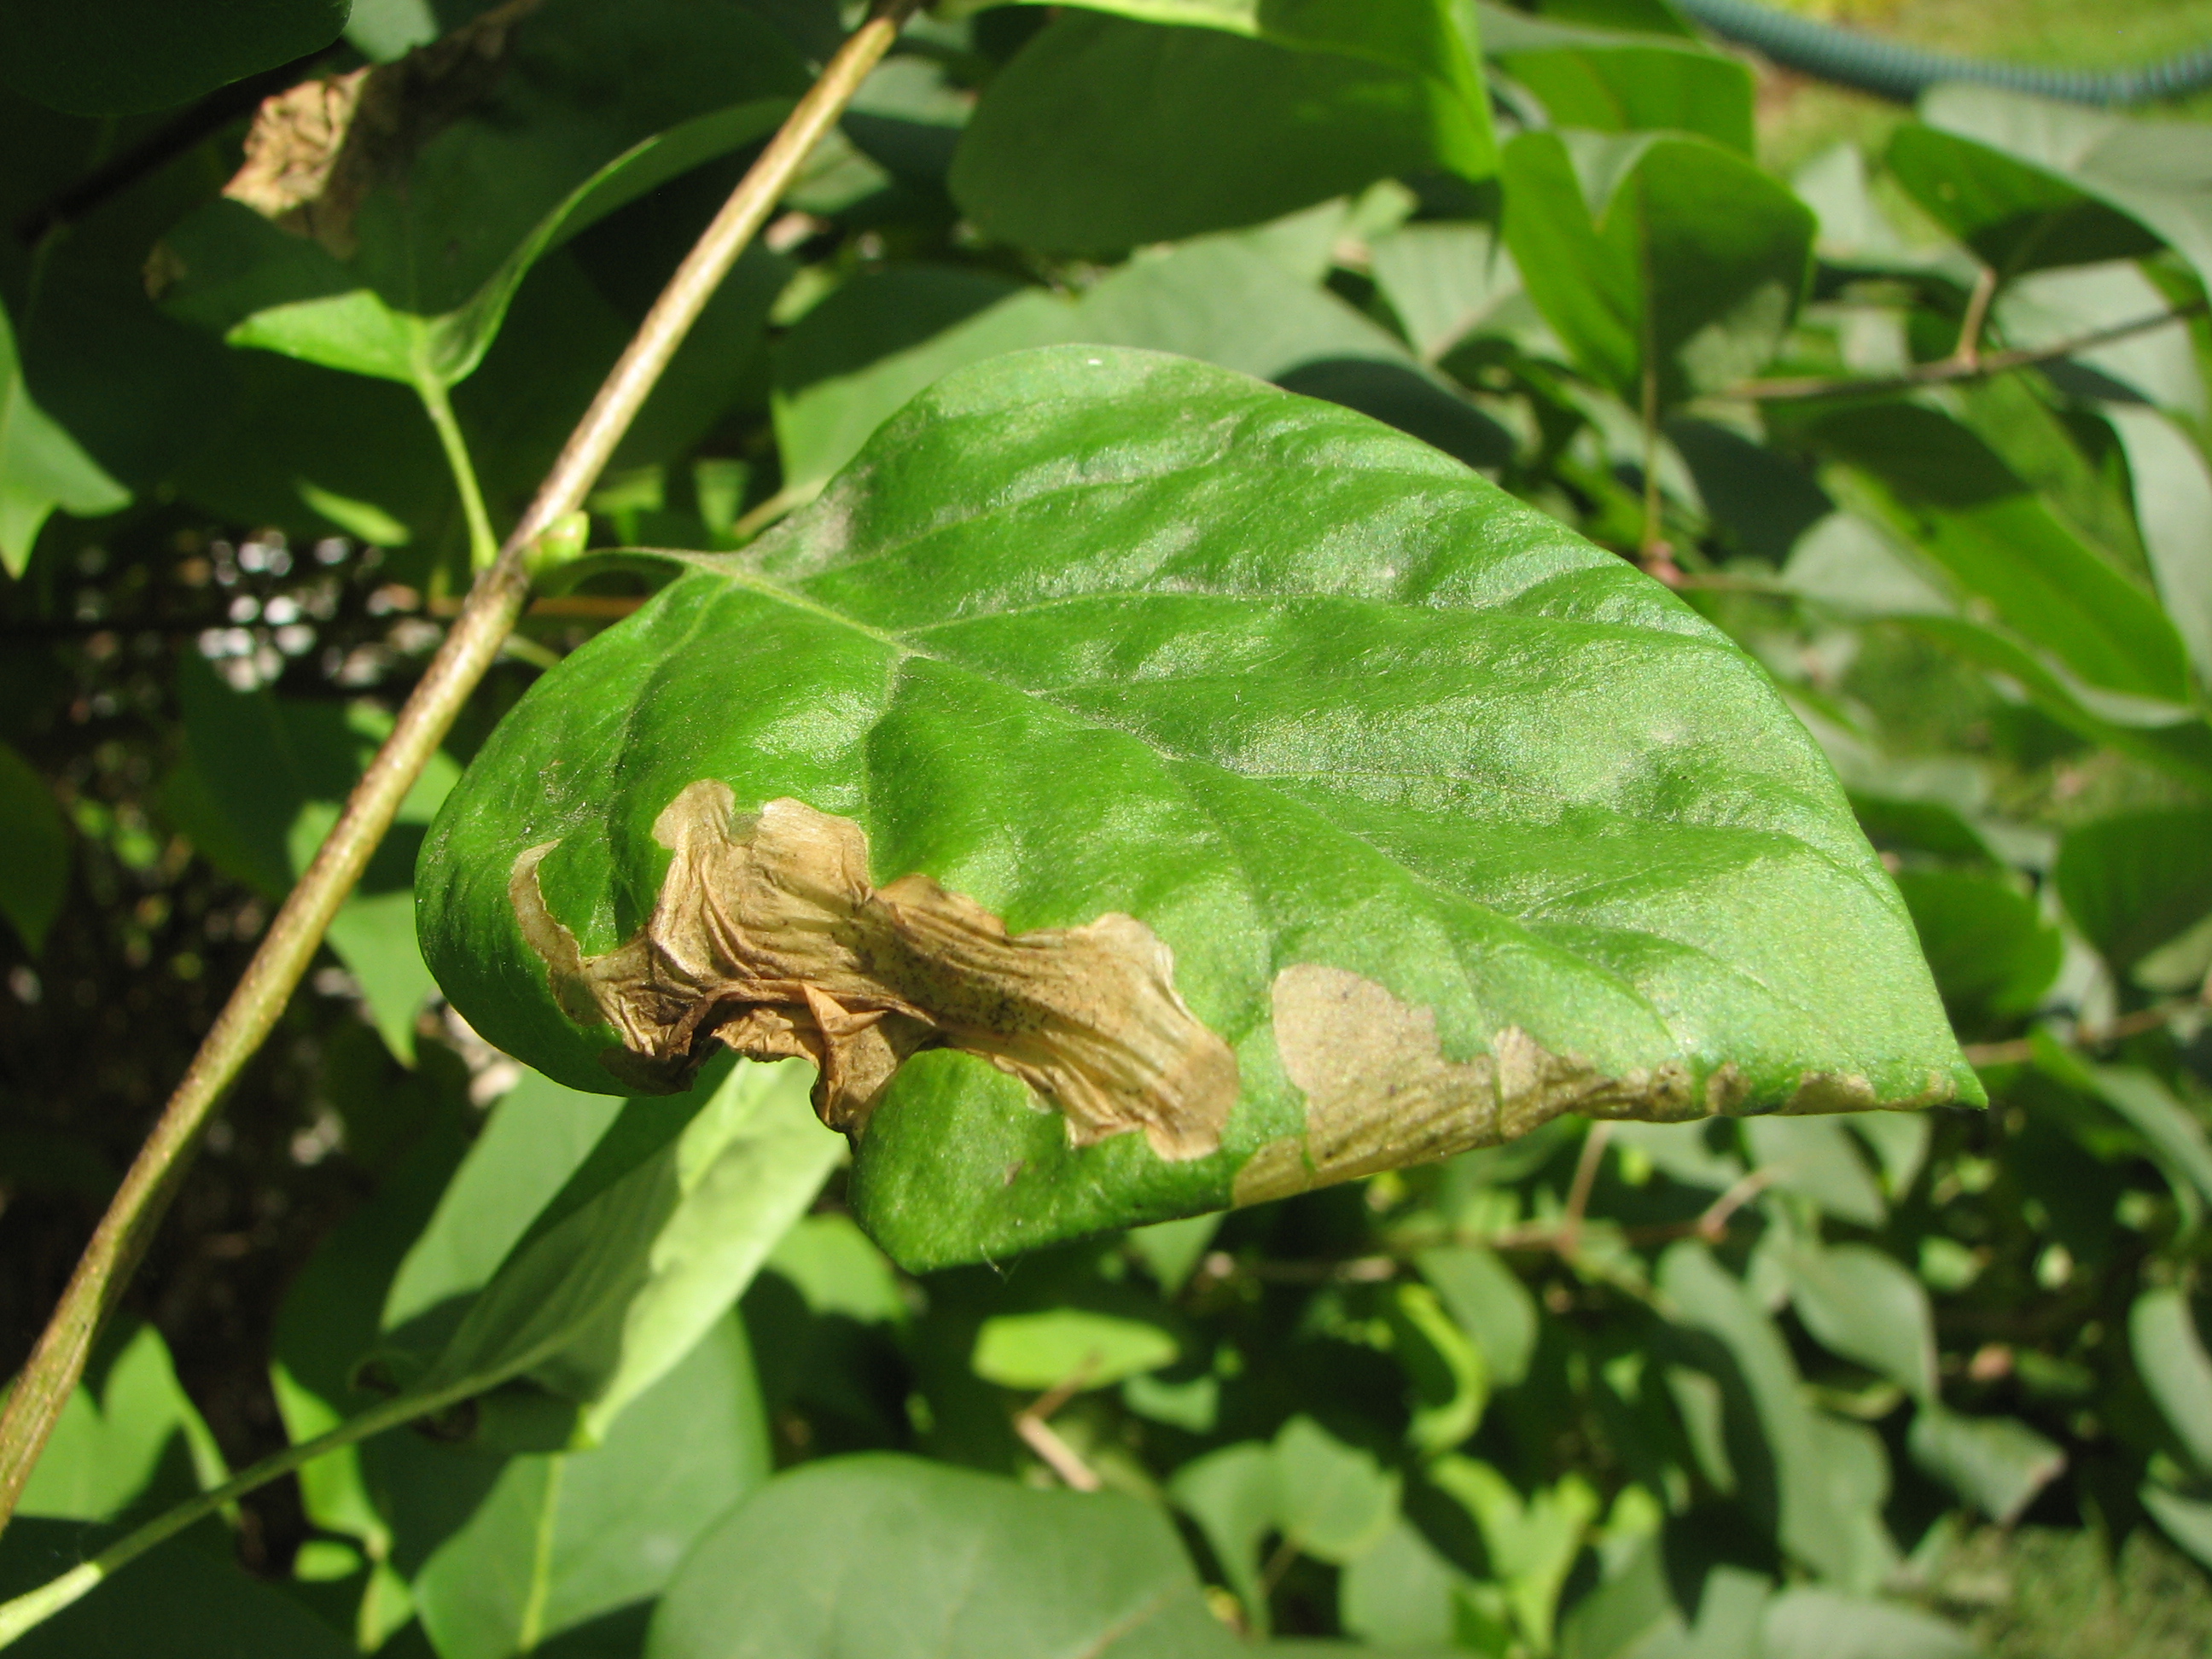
(1891, 1385)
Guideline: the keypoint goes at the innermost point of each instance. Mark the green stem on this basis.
(483, 545)
(34, 1404)
(35, 1607)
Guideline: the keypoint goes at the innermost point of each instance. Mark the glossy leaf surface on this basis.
(1371, 718)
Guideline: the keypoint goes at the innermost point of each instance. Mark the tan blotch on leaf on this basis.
(1380, 1093)
(316, 150)
(769, 937)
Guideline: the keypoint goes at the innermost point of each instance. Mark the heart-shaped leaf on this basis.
(1271, 794)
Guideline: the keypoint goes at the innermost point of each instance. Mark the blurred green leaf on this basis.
(1401, 1593)
(1233, 1494)
(34, 852)
(589, 1538)
(2154, 173)
(1442, 280)
(1815, 1158)
(41, 466)
(1992, 953)
(1998, 1464)
(1973, 517)
(1488, 1301)
(1451, 1384)
(2173, 494)
(1172, 1249)
(1810, 1622)
(2170, 1359)
(1287, 105)
(2135, 880)
(2016, 217)
(120, 57)
(1333, 1502)
(1672, 258)
(120, 1429)
(182, 1601)
(1531, 1543)
(897, 1559)
(1069, 1346)
(1793, 1468)
(1640, 88)
(1864, 1306)
(2187, 1520)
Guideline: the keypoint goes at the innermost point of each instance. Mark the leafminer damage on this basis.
(769, 937)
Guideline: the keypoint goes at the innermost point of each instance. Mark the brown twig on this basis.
(1952, 369)
(493, 604)
(1578, 1192)
(1967, 354)
(1037, 1431)
(2019, 1050)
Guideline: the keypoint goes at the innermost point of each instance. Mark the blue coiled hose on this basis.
(1889, 70)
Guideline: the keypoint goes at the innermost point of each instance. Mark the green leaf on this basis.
(1172, 1249)
(1813, 1158)
(1993, 954)
(1065, 1345)
(2016, 217)
(1635, 1613)
(120, 57)
(183, 1601)
(1117, 636)
(2170, 1359)
(1451, 1385)
(1401, 1593)
(1333, 1502)
(2186, 1521)
(851, 362)
(41, 466)
(1973, 517)
(2176, 1136)
(34, 852)
(1442, 280)
(128, 1439)
(1640, 88)
(896, 1558)
(566, 144)
(1808, 1622)
(1997, 1464)
(2173, 509)
(1794, 1469)
(571, 1538)
(1531, 1544)
(270, 777)
(1671, 256)
(1864, 1305)
(2152, 172)
(1233, 1494)
(1287, 105)
(1489, 1301)
(2135, 880)
(647, 1247)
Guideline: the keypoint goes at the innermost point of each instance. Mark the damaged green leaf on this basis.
(1139, 790)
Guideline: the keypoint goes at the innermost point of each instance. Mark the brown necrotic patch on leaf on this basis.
(316, 150)
(769, 937)
(1380, 1093)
